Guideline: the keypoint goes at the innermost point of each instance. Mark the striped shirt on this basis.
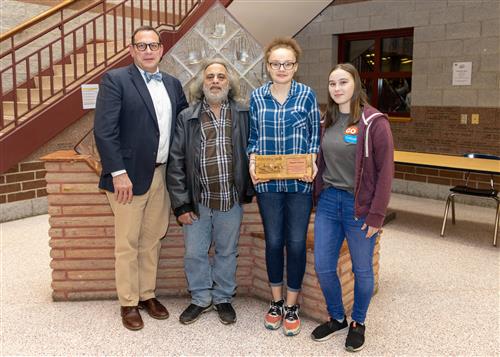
(216, 159)
(291, 128)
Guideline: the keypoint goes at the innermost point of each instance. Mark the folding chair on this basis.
(490, 193)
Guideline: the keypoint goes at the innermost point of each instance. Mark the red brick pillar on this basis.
(81, 233)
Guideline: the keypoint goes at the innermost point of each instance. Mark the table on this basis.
(443, 162)
(447, 162)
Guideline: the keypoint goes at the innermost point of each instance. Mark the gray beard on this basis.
(215, 98)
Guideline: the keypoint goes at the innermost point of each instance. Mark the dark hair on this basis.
(145, 28)
(358, 100)
(283, 42)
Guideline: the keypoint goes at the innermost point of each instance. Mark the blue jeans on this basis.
(335, 221)
(285, 217)
(212, 281)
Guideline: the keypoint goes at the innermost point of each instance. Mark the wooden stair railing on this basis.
(40, 76)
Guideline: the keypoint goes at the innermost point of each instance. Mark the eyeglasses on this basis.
(277, 65)
(141, 46)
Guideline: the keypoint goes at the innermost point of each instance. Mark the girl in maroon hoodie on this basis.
(352, 190)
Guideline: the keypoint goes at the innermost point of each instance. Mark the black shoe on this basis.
(355, 340)
(227, 315)
(274, 317)
(328, 329)
(192, 313)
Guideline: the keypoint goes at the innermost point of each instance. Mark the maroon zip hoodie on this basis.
(374, 167)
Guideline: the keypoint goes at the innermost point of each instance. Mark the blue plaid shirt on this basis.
(291, 128)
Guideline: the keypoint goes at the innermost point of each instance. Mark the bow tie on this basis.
(149, 76)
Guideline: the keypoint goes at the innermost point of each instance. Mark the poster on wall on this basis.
(462, 73)
(89, 95)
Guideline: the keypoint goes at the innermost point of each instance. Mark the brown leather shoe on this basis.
(154, 308)
(131, 318)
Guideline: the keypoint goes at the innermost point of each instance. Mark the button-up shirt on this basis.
(163, 110)
(280, 129)
(216, 159)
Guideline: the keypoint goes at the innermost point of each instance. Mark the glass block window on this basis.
(217, 34)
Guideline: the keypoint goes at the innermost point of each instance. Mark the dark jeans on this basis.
(285, 217)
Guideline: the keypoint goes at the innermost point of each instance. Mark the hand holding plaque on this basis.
(280, 167)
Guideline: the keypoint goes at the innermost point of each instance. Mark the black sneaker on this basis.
(328, 329)
(227, 315)
(291, 321)
(192, 313)
(274, 316)
(355, 340)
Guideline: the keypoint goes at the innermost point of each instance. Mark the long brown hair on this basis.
(358, 100)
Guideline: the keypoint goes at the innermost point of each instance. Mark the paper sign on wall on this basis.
(462, 72)
(89, 95)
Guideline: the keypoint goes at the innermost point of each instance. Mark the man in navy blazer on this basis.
(134, 123)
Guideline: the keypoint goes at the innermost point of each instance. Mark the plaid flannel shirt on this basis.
(291, 128)
(216, 159)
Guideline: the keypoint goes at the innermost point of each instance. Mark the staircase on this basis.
(47, 88)
(40, 77)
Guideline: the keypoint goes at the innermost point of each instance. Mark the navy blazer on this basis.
(126, 128)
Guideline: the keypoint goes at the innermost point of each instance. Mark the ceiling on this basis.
(267, 19)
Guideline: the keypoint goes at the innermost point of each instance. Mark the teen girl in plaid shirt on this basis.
(284, 119)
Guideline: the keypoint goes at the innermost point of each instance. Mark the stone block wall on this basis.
(444, 32)
(82, 242)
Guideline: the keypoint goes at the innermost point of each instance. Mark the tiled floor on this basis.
(437, 297)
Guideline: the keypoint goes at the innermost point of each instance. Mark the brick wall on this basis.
(24, 181)
(438, 130)
(82, 242)
(26, 204)
(444, 177)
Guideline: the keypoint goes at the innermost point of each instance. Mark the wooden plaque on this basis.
(277, 167)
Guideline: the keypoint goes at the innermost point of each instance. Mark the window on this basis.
(384, 61)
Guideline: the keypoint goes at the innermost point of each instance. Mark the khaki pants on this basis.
(139, 227)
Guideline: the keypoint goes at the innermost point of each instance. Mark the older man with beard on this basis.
(208, 181)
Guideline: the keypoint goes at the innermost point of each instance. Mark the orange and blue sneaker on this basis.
(274, 316)
(291, 321)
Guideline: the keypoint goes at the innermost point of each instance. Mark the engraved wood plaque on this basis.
(278, 167)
